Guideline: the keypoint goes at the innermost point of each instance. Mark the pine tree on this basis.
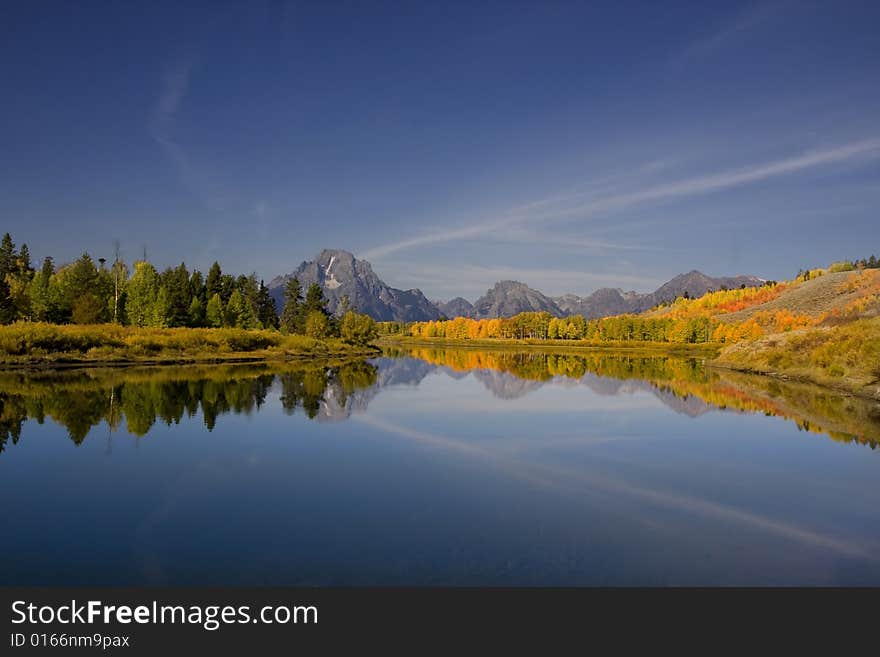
(239, 312)
(197, 287)
(48, 268)
(176, 283)
(196, 313)
(212, 283)
(227, 285)
(38, 292)
(214, 311)
(7, 256)
(267, 314)
(86, 293)
(7, 307)
(315, 301)
(24, 262)
(291, 313)
(161, 309)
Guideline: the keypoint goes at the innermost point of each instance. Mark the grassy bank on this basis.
(846, 357)
(706, 349)
(33, 344)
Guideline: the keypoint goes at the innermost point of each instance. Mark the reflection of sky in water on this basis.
(439, 479)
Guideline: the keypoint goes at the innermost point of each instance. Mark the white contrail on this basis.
(662, 192)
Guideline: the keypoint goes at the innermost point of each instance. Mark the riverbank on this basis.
(40, 345)
(703, 350)
(844, 357)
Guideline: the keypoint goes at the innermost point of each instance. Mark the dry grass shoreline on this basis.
(34, 345)
(845, 358)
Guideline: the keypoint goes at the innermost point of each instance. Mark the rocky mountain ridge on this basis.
(342, 275)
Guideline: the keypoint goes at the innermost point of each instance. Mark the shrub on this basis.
(358, 329)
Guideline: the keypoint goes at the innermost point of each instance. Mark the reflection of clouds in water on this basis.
(570, 481)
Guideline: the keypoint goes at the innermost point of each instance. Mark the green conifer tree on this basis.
(267, 314)
(291, 314)
(196, 313)
(214, 311)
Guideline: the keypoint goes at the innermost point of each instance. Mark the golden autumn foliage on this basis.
(726, 301)
(706, 319)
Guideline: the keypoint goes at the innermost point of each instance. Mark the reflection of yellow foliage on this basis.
(842, 418)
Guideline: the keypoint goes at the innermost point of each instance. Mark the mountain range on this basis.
(340, 275)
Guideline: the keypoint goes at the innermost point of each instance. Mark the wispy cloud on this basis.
(193, 176)
(745, 22)
(556, 208)
(523, 235)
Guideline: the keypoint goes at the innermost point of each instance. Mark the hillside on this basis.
(814, 297)
(845, 356)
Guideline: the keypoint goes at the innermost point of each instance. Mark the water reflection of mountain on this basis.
(685, 385)
(504, 385)
(139, 397)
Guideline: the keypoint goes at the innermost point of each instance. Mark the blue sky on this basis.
(568, 145)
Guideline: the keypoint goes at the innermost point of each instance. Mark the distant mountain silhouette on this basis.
(457, 307)
(340, 275)
(508, 298)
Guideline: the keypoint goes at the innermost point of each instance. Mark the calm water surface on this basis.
(436, 467)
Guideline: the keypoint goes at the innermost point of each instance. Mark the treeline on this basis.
(544, 326)
(857, 264)
(670, 328)
(90, 292)
(86, 292)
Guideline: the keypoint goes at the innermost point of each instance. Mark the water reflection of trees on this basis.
(306, 389)
(678, 381)
(138, 398)
(81, 399)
